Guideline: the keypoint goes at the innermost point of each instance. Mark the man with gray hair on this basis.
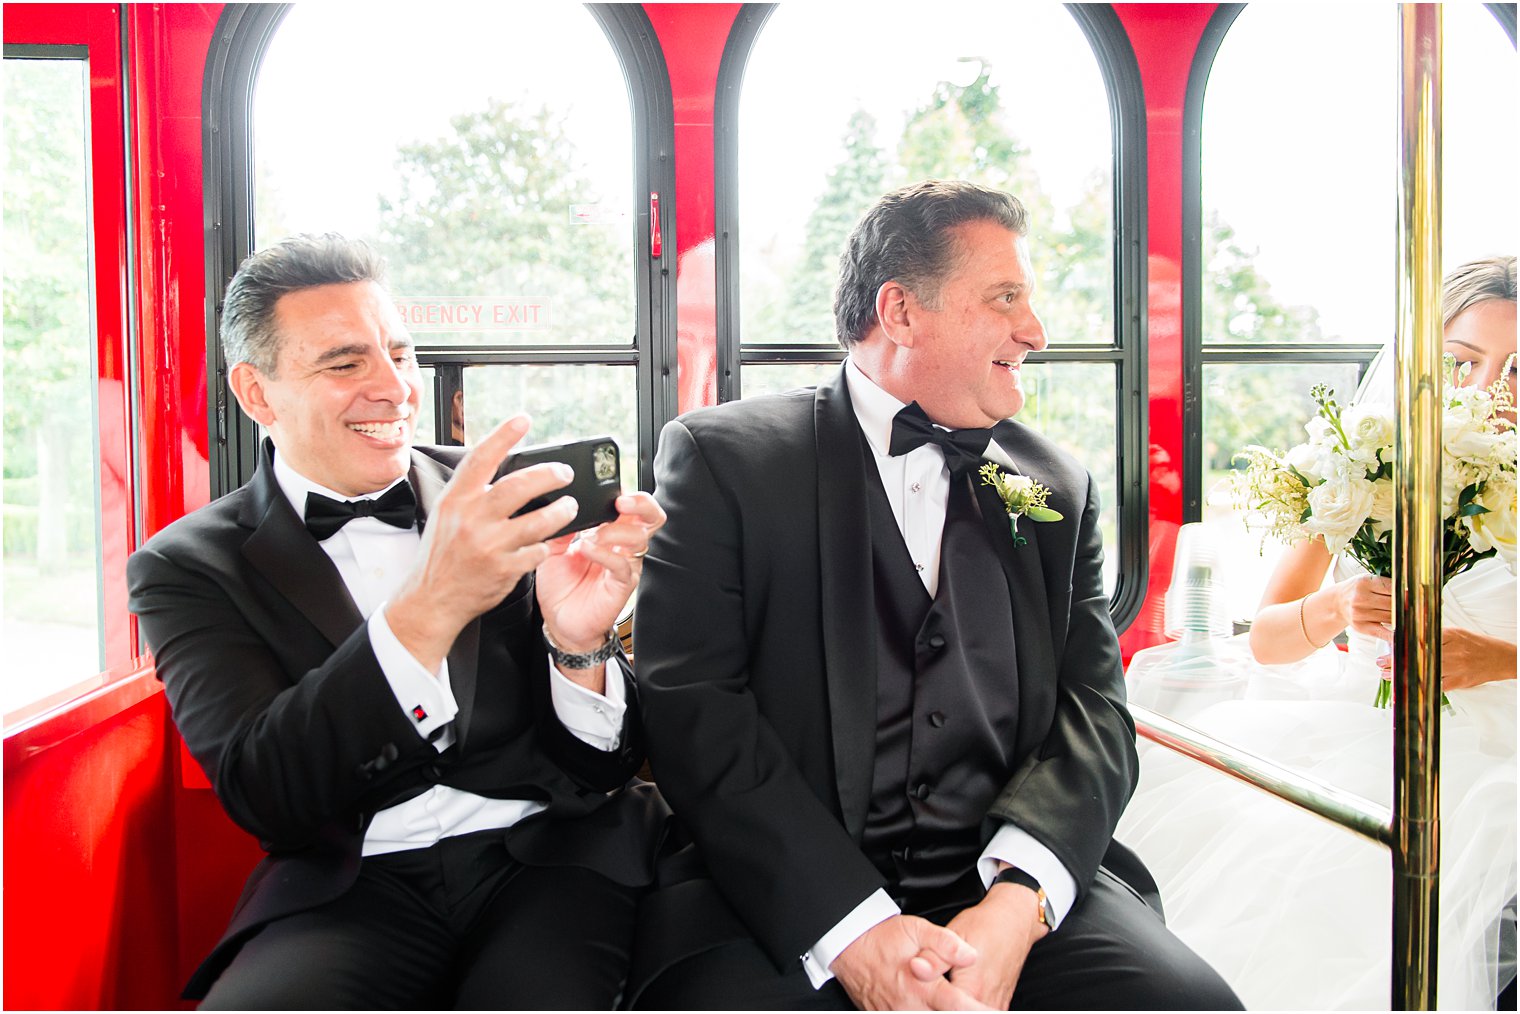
(411, 696)
(880, 680)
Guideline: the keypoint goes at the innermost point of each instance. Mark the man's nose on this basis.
(392, 382)
(1031, 331)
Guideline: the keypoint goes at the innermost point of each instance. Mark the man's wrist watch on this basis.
(1014, 875)
(581, 659)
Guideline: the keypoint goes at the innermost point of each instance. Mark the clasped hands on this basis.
(474, 552)
(974, 963)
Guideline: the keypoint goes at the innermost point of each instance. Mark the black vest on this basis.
(947, 703)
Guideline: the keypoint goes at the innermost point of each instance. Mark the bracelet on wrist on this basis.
(1304, 626)
(582, 659)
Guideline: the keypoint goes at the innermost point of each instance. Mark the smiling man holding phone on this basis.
(401, 684)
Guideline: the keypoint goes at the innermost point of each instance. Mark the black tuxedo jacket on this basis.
(756, 645)
(277, 692)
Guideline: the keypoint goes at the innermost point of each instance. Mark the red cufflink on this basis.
(419, 713)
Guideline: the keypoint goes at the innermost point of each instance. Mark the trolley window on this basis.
(53, 585)
(500, 176)
(812, 141)
(1297, 261)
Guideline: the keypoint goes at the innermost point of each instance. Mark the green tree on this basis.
(1238, 303)
(485, 212)
(1248, 404)
(851, 187)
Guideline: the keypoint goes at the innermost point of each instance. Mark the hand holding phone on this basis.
(596, 485)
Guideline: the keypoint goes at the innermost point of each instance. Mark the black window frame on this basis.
(1195, 353)
(242, 37)
(1127, 352)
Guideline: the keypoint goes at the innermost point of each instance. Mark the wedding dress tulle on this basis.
(1295, 912)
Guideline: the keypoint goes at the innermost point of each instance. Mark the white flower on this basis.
(1368, 426)
(1455, 477)
(1320, 432)
(1308, 460)
(1339, 505)
(1020, 486)
(1496, 528)
(1469, 440)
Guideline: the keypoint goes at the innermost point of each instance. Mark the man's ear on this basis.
(247, 385)
(892, 313)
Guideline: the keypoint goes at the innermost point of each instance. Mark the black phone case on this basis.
(596, 485)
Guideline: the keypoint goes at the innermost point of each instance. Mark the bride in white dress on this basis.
(1292, 910)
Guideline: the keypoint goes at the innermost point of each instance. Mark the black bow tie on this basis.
(963, 449)
(325, 516)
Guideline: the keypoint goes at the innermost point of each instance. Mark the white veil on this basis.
(1376, 387)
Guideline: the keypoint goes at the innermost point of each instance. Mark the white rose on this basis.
(1368, 427)
(1020, 484)
(1306, 458)
(1495, 529)
(1338, 507)
(1470, 442)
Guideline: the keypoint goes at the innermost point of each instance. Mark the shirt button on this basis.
(915, 487)
(937, 719)
(937, 642)
(918, 566)
(379, 572)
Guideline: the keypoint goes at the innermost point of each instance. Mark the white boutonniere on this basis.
(1022, 498)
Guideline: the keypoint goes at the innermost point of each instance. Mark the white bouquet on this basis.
(1338, 486)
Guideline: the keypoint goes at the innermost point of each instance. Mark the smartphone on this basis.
(595, 487)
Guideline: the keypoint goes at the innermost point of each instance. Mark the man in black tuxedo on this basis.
(371, 693)
(893, 724)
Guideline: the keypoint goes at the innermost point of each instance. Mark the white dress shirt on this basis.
(918, 487)
(373, 558)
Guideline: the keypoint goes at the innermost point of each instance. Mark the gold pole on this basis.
(1417, 515)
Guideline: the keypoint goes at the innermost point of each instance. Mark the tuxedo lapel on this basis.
(429, 477)
(284, 552)
(849, 621)
(1024, 568)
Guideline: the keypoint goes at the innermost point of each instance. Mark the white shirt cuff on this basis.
(1016, 847)
(427, 700)
(595, 719)
(875, 909)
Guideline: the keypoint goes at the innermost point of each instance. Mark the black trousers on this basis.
(1111, 952)
(459, 924)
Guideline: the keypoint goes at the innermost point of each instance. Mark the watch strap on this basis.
(1014, 875)
(582, 659)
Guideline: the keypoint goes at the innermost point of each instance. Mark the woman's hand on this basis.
(1365, 605)
(1468, 659)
